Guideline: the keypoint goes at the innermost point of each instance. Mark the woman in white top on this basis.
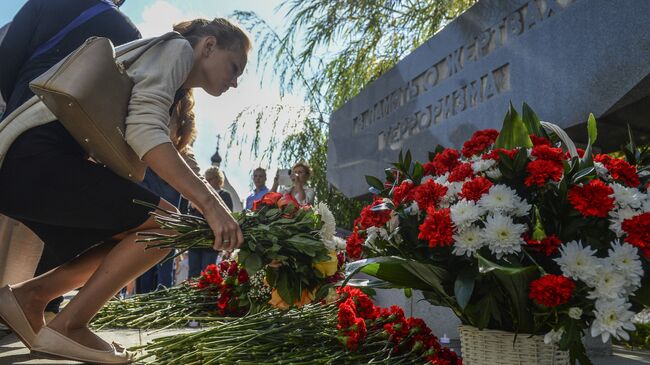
(300, 174)
(47, 183)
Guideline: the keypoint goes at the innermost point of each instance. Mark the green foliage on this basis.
(639, 339)
(346, 45)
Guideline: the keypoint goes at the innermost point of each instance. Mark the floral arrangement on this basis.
(513, 233)
(220, 292)
(293, 245)
(351, 329)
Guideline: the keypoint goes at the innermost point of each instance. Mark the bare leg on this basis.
(34, 294)
(108, 271)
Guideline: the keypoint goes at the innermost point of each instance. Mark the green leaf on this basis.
(401, 273)
(253, 263)
(531, 120)
(582, 175)
(587, 159)
(463, 287)
(408, 292)
(513, 132)
(407, 161)
(591, 129)
(375, 182)
(418, 172)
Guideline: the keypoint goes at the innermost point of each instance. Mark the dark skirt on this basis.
(71, 203)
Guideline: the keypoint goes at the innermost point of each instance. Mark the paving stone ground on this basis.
(13, 352)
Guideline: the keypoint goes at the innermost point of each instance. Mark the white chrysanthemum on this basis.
(502, 235)
(607, 284)
(575, 312)
(617, 216)
(481, 165)
(335, 243)
(522, 208)
(500, 198)
(374, 233)
(329, 223)
(440, 179)
(553, 336)
(493, 174)
(465, 212)
(601, 170)
(627, 197)
(577, 262)
(453, 189)
(467, 241)
(625, 258)
(612, 319)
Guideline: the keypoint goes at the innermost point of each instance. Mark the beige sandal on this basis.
(51, 344)
(12, 315)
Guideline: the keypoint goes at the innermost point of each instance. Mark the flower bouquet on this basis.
(294, 246)
(350, 330)
(222, 291)
(515, 234)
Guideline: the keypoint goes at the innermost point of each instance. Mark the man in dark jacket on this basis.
(35, 24)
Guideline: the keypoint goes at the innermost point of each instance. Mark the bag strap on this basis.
(143, 47)
(85, 16)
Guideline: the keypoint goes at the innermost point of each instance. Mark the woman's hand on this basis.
(227, 233)
(165, 161)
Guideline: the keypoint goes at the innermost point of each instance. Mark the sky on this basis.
(213, 115)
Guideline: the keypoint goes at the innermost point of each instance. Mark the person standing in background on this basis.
(259, 180)
(24, 55)
(300, 191)
(199, 258)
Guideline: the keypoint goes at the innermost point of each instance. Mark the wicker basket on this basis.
(492, 347)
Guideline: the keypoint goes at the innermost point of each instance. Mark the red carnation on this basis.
(638, 232)
(353, 247)
(475, 188)
(539, 141)
(592, 199)
(461, 172)
(620, 170)
(548, 245)
(495, 154)
(437, 228)
(551, 290)
(402, 192)
(546, 152)
(542, 171)
(444, 162)
(479, 142)
(370, 218)
(429, 194)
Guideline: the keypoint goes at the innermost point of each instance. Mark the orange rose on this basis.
(269, 199)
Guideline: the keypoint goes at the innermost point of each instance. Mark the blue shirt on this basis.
(253, 196)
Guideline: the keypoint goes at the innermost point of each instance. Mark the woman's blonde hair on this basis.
(185, 132)
(304, 165)
(229, 35)
(214, 172)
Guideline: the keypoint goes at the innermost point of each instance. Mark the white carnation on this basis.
(502, 235)
(467, 241)
(465, 212)
(453, 189)
(612, 319)
(577, 262)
